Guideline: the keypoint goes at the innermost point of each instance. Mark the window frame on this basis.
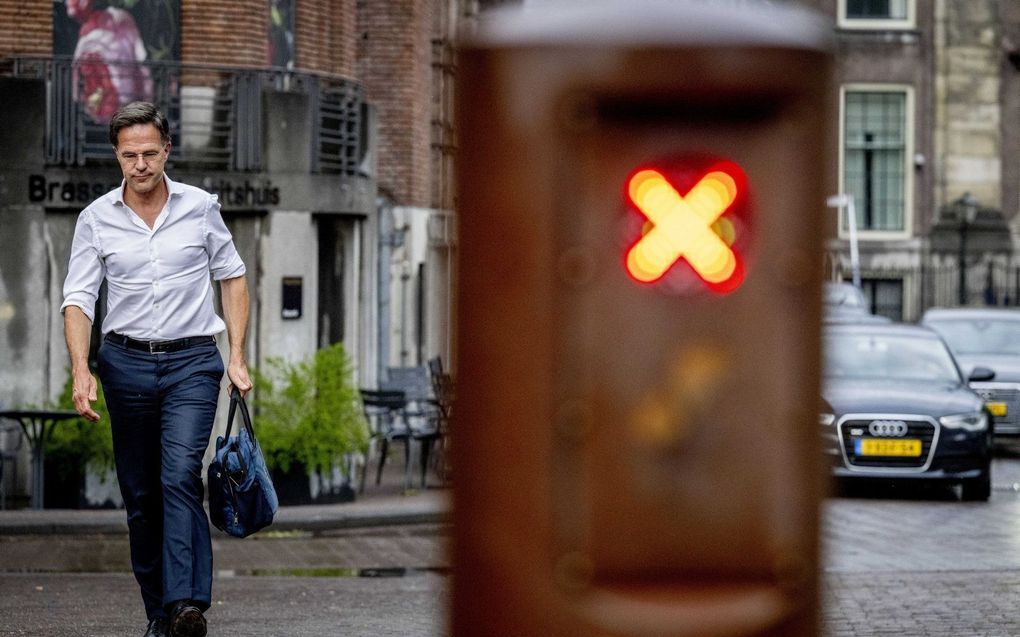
(869, 24)
(908, 155)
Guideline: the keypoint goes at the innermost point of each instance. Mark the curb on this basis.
(399, 511)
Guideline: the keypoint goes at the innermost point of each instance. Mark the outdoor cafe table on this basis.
(38, 424)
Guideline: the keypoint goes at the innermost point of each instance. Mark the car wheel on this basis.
(978, 489)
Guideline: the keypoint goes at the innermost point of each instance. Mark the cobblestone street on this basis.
(924, 564)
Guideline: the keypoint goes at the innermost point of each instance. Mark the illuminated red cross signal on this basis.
(689, 227)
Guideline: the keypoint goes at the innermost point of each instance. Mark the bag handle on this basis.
(237, 400)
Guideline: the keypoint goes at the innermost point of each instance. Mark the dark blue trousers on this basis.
(162, 408)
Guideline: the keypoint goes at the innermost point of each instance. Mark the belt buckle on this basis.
(153, 349)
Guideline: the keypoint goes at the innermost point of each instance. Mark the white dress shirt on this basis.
(158, 285)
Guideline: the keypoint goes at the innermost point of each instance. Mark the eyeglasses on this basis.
(148, 156)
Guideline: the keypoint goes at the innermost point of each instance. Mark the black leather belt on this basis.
(159, 347)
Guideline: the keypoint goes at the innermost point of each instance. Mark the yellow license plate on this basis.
(997, 409)
(888, 447)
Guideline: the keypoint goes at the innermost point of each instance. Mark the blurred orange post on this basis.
(641, 199)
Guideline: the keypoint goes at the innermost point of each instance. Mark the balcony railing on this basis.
(215, 113)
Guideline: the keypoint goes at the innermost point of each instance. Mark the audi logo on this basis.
(888, 428)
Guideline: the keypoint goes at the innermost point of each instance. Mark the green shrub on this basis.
(79, 441)
(308, 413)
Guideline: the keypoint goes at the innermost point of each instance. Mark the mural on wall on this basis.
(280, 49)
(110, 42)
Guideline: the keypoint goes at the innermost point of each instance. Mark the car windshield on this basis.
(979, 336)
(888, 357)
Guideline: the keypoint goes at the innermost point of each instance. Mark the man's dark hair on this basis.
(138, 113)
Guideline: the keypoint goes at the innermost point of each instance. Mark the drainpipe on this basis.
(387, 240)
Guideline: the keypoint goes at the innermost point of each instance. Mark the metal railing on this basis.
(215, 112)
(934, 281)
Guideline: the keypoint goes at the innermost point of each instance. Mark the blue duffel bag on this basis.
(242, 498)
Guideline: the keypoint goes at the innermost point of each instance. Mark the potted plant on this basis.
(308, 421)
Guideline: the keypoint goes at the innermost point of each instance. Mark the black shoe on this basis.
(186, 621)
(157, 628)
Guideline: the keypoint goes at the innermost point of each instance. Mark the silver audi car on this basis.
(986, 337)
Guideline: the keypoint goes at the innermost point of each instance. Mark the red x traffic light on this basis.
(691, 222)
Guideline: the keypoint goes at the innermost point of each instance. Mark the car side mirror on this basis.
(980, 374)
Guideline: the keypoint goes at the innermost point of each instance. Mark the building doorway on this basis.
(885, 297)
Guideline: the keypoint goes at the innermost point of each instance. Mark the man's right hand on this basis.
(83, 393)
(78, 333)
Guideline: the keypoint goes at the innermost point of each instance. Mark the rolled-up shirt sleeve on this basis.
(85, 270)
(224, 261)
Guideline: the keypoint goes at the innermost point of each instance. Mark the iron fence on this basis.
(934, 281)
(215, 112)
(988, 283)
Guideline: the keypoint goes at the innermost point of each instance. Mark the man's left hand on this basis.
(237, 372)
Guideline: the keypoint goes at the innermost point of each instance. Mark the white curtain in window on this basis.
(874, 157)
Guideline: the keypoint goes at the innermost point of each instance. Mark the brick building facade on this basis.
(215, 32)
(394, 64)
(26, 28)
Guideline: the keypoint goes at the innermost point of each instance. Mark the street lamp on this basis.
(966, 211)
(846, 202)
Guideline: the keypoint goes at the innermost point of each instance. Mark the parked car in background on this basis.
(844, 302)
(899, 409)
(844, 295)
(986, 337)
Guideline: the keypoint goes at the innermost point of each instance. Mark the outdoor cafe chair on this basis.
(421, 413)
(385, 411)
(443, 393)
(8, 456)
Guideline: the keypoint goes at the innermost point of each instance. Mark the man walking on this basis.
(155, 242)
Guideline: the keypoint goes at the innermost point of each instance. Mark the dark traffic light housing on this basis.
(641, 191)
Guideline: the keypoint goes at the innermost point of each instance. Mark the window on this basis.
(876, 14)
(876, 144)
